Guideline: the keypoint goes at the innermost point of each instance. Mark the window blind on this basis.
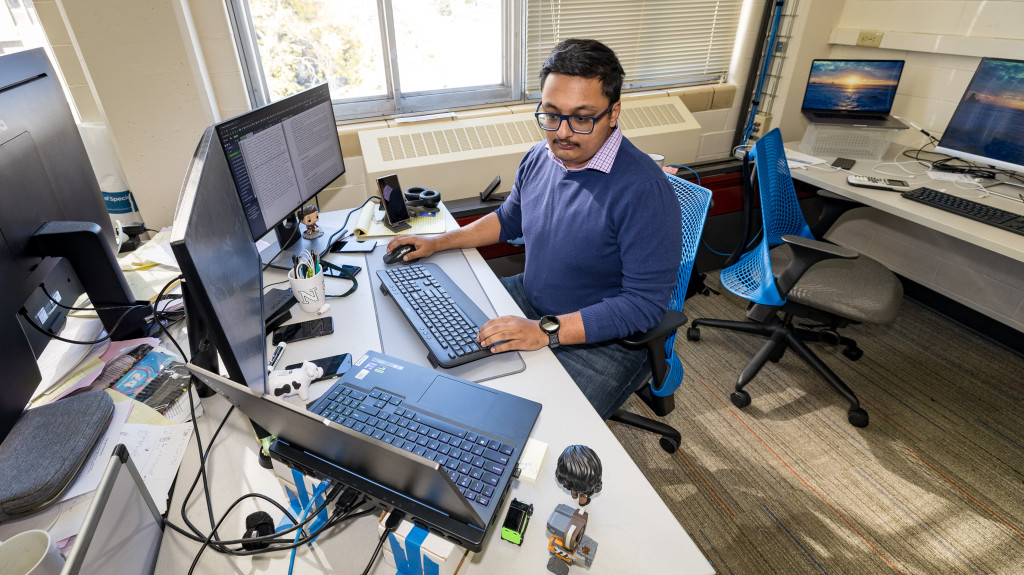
(658, 42)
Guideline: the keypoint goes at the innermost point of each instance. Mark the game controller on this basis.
(288, 382)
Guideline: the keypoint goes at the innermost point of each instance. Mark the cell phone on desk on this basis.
(333, 366)
(354, 270)
(303, 330)
(391, 194)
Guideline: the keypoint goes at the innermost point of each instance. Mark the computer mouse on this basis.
(398, 253)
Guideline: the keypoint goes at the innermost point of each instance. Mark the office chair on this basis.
(792, 274)
(666, 369)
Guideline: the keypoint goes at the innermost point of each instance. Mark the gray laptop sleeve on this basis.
(41, 456)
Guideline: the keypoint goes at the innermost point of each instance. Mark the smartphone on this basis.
(303, 330)
(354, 270)
(394, 199)
(333, 366)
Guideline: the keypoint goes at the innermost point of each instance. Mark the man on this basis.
(602, 231)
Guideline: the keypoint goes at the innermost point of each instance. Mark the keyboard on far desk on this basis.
(444, 317)
(995, 217)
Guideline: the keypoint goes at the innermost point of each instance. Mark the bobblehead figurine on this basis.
(308, 216)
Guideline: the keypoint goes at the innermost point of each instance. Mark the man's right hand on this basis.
(424, 246)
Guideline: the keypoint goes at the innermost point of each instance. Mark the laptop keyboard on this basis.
(445, 318)
(474, 462)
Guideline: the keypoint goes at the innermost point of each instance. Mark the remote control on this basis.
(878, 183)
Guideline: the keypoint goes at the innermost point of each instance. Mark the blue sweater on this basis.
(606, 245)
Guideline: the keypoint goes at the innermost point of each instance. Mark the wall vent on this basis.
(461, 157)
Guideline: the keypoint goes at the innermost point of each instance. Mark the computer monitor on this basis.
(235, 188)
(987, 125)
(54, 228)
(280, 156)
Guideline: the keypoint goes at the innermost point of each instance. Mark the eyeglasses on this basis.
(578, 124)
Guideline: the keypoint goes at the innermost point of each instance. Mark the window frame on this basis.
(412, 103)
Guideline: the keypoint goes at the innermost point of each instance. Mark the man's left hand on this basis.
(512, 333)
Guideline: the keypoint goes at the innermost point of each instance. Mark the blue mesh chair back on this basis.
(693, 207)
(751, 277)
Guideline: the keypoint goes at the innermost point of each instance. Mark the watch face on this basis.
(549, 323)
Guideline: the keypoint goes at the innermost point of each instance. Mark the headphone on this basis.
(417, 197)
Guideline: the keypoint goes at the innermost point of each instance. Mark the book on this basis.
(142, 372)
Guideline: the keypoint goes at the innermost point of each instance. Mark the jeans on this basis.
(606, 372)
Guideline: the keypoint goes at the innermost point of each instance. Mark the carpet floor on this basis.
(934, 484)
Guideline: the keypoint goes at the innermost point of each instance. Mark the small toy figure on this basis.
(568, 543)
(308, 216)
(579, 471)
(288, 382)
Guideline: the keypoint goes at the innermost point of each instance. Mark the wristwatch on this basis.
(549, 325)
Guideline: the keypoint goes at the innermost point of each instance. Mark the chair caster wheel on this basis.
(693, 334)
(854, 353)
(857, 417)
(740, 398)
(668, 444)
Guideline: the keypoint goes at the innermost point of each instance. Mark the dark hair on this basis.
(305, 211)
(579, 470)
(586, 59)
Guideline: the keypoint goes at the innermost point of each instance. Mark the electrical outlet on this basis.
(870, 38)
(762, 124)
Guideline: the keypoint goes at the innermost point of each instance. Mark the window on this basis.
(395, 57)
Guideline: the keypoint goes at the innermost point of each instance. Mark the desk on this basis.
(635, 531)
(970, 262)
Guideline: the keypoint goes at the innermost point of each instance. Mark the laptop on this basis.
(439, 448)
(853, 93)
(123, 529)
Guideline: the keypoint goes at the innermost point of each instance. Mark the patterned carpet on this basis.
(935, 483)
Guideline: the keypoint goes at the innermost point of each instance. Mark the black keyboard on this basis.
(996, 217)
(444, 317)
(474, 462)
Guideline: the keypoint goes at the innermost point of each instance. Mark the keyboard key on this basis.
(505, 449)
(496, 456)
(490, 478)
(493, 467)
(483, 500)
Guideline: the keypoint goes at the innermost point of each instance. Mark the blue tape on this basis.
(409, 560)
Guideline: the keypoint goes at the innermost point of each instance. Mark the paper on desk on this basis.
(367, 227)
(60, 358)
(156, 250)
(81, 379)
(92, 471)
(157, 451)
(797, 159)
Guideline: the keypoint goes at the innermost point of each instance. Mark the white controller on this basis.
(878, 183)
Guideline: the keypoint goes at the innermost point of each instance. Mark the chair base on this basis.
(670, 438)
(782, 335)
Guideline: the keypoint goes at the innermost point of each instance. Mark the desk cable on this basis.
(345, 509)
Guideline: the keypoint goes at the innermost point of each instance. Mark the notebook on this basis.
(373, 429)
(853, 93)
(367, 226)
(122, 529)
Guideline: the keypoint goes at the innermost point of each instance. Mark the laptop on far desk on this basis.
(441, 449)
(856, 93)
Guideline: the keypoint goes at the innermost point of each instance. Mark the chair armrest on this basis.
(806, 253)
(671, 321)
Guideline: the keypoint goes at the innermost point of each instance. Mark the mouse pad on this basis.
(397, 337)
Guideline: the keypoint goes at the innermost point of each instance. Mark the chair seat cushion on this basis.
(860, 289)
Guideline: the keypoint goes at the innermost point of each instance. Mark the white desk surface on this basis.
(635, 531)
(999, 241)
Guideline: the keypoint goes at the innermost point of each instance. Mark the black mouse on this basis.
(398, 253)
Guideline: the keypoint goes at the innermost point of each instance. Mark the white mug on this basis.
(31, 553)
(309, 292)
(658, 159)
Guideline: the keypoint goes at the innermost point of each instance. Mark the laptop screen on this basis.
(852, 85)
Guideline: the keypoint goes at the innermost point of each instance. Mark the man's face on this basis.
(577, 96)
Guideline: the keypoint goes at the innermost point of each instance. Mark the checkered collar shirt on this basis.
(602, 160)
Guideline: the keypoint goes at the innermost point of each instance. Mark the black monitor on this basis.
(224, 207)
(54, 228)
(280, 156)
(987, 124)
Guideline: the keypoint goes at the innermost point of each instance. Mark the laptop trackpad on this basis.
(460, 401)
